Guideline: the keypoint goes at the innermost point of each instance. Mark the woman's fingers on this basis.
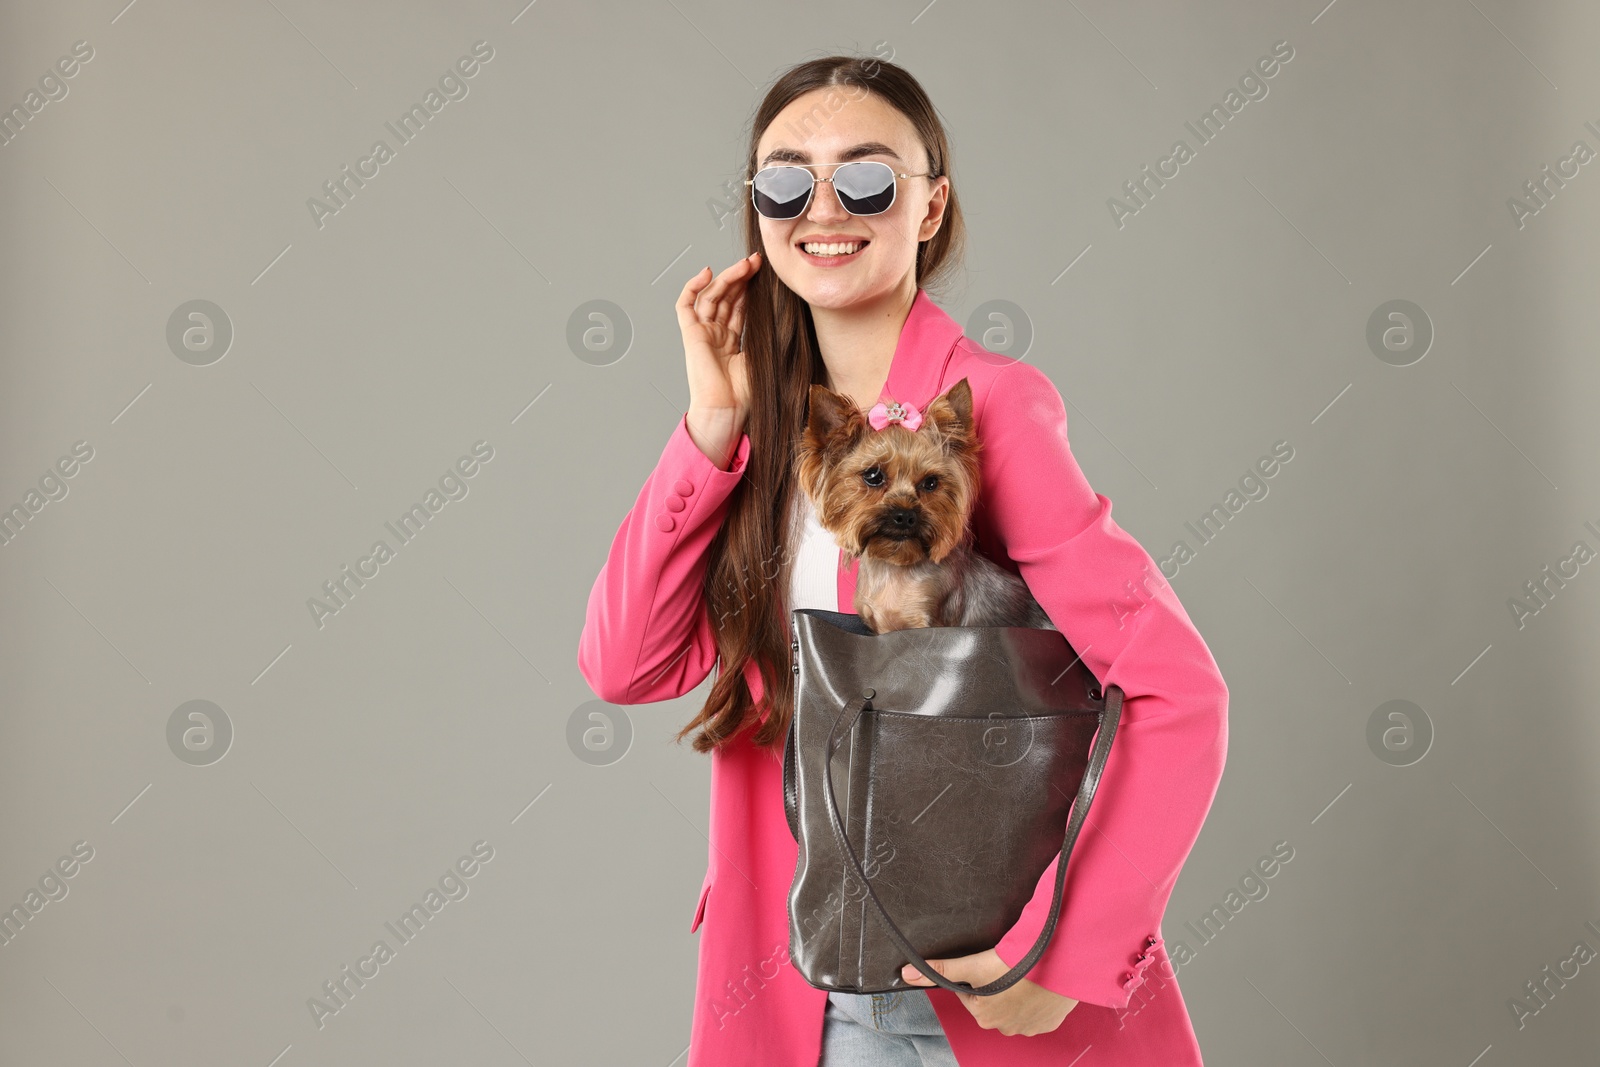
(687, 298)
(712, 303)
(736, 320)
(716, 301)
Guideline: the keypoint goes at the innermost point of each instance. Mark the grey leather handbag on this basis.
(959, 752)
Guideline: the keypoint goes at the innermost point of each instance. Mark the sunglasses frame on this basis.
(815, 181)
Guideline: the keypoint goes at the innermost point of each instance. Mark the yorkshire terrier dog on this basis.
(896, 487)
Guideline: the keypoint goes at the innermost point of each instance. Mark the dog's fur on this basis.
(911, 530)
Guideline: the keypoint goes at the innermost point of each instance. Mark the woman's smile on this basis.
(831, 250)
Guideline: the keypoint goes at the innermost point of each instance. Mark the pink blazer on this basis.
(647, 637)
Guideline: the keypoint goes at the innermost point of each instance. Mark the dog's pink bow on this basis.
(883, 414)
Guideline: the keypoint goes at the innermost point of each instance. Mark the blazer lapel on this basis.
(916, 376)
(927, 341)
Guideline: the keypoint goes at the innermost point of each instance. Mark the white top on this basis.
(814, 581)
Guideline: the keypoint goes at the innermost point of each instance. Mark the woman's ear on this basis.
(938, 200)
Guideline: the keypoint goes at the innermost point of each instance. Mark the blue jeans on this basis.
(898, 1029)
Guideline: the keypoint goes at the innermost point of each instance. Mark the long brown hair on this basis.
(748, 572)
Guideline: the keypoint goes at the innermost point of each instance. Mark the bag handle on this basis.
(1080, 811)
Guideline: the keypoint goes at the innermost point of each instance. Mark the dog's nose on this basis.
(902, 518)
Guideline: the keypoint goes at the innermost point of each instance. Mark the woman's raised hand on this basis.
(711, 317)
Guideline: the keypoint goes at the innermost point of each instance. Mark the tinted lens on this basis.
(781, 192)
(864, 188)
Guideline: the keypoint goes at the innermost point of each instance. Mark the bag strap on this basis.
(1080, 811)
(791, 799)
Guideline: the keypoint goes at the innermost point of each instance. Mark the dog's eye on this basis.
(929, 484)
(873, 476)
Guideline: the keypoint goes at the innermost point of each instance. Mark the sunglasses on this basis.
(865, 187)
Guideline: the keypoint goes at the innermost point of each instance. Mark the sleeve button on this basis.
(664, 523)
(674, 503)
(682, 488)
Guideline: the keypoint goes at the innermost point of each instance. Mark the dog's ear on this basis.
(831, 415)
(952, 412)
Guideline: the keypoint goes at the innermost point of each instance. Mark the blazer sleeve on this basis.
(1109, 599)
(647, 631)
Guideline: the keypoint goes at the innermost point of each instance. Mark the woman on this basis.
(718, 548)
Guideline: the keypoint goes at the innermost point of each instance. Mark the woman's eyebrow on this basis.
(866, 148)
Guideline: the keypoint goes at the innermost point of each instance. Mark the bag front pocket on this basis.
(969, 811)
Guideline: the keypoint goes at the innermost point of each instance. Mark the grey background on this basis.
(431, 313)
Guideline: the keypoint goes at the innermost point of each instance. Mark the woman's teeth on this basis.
(834, 249)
